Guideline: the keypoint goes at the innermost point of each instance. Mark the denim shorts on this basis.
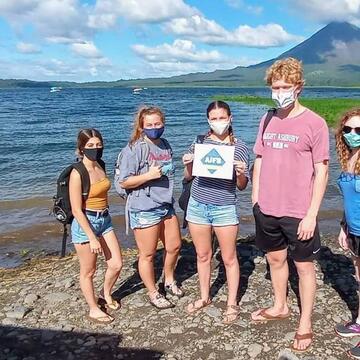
(143, 219)
(208, 214)
(100, 225)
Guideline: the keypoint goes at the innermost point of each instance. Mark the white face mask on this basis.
(219, 127)
(284, 98)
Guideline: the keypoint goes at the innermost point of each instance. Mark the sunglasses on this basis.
(347, 130)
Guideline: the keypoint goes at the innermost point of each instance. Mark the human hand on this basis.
(306, 228)
(95, 246)
(154, 172)
(240, 167)
(187, 159)
(343, 240)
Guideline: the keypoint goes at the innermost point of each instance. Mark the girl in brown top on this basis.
(91, 230)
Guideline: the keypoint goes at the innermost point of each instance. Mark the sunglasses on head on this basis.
(347, 129)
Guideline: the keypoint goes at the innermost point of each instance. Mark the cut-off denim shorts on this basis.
(143, 219)
(208, 214)
(100, 224)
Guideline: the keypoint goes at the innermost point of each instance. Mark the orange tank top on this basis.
(98, 199)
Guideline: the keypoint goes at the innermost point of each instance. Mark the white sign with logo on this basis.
(214, 161)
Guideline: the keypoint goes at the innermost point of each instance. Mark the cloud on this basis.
(179, 51)
(344, 53)
(86, 49)
(27, 48)
(240, 4)
(106, 12)
(209, 32)
(58, 21)
(330, 10)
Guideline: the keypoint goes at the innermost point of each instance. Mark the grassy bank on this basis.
(329, 109)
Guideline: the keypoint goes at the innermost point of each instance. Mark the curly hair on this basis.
(342, 149)
(139, 121)
(289, 69)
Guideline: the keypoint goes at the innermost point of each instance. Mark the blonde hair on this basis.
(139, 121)
(289, 69)
(342, 149)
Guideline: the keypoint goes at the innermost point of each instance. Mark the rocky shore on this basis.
(43, 314)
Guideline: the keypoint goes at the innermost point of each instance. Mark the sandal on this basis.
(302, 337)
(231, 316)
(160, 302)
(173, 289)
(267, 317)
(101, 319)
(114, 305)
(193, 308)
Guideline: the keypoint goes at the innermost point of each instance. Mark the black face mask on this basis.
(93, 154)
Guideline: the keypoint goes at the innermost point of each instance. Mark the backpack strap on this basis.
(267, 120)
(200, 139)
(167, 145)
(85, 179)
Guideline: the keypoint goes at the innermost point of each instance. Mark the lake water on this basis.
(38, 135)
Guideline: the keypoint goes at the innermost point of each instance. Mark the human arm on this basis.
(307, 225)
(76, 202)
(256, 180)
(135, 181)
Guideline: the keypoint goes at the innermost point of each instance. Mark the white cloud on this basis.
(86, 49)
(241, 5)
(209, 32)
(179, 51)
(27, 48)
(59, 21)
(330, 10)
(139, 11)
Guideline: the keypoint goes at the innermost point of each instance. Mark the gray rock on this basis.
(18, 312)
(47, 335)
(57, 297)
(254, 350)
(176, 330)
(287, 355)
(212, 311)
(30, 299)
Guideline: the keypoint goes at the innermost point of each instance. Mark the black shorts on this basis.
(278, 233)
(354, 244)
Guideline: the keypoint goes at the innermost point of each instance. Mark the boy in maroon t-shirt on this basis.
(289, 181)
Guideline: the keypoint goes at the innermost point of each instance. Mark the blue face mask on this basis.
(353, 140)
(154, 133)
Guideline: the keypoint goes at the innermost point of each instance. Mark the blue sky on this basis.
(90, 40)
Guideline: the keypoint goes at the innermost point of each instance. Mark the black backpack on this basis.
(186, 188)
(62, 208)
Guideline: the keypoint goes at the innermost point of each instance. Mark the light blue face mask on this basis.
(352, 139)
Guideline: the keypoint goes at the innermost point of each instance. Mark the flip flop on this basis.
(114, 305)
(234, 314)
(303, 337)
(267, 317)
(195, 308)
(101, 319)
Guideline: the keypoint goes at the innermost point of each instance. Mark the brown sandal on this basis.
(233, 315)
(303, 337)
(106, 319)
(194, 308)
(267, 317)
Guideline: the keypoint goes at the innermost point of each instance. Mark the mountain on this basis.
(331, 57)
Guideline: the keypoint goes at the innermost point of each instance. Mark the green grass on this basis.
(330, 109)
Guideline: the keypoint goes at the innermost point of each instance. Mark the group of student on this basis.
(289, 178)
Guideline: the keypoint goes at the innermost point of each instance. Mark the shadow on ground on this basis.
(19, 342)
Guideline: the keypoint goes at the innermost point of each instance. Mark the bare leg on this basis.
(279, 277)
(87, 270)
(307, 288)
(226, 236)
(201, 236)
(146, 240)
(112, 253)
(170, 237)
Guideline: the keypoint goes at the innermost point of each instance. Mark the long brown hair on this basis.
(83, 137)
(342, 149)
(139, 121)
(218, 104)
